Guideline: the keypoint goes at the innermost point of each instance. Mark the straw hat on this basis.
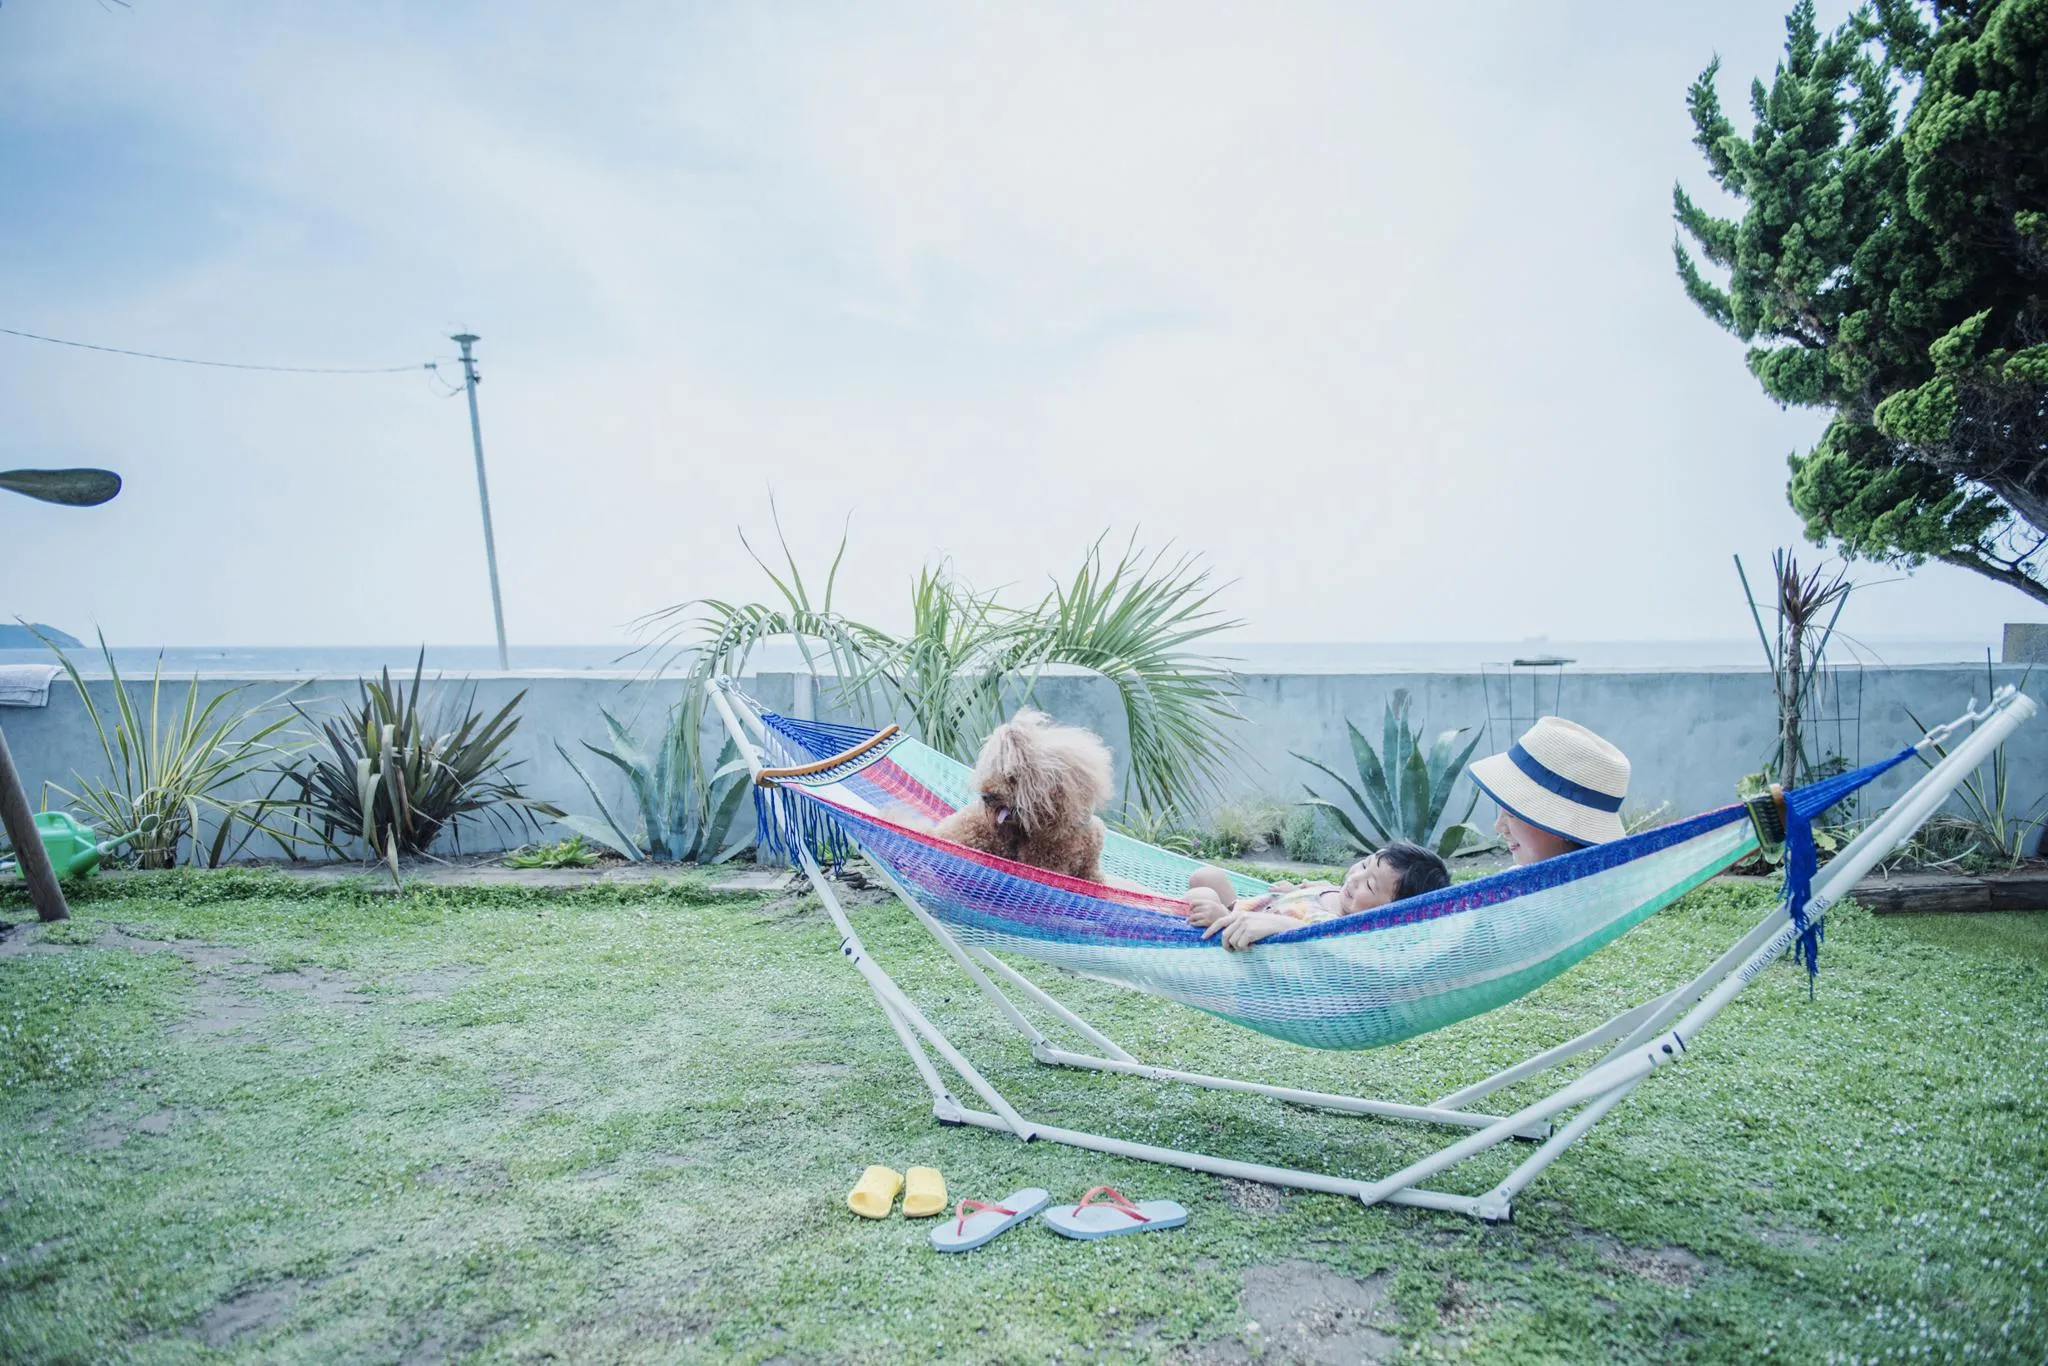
(1562, 778)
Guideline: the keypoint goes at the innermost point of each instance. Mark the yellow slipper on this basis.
(924, 1192)
(874, 1193)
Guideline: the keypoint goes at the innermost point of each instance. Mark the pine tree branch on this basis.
(2011, 577)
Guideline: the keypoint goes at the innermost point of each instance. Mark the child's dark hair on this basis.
(1418, 869)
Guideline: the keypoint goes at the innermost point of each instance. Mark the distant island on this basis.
(14, 637)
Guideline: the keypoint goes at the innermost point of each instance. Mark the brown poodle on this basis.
(1040, 784)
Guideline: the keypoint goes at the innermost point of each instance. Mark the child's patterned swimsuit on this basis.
(1308, 904)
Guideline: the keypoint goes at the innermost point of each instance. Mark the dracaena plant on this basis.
(680, 811)
(1403, 790)
(396, 773)
(171, 765)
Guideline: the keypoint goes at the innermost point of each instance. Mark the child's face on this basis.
(1369, 884)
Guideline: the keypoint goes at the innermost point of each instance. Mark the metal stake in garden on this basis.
(483, 489)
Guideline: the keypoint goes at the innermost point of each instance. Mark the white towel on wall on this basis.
(26, 685)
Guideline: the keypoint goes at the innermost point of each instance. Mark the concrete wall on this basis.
(1690, 735)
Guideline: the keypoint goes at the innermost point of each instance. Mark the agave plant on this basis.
(166, 773)
(684, 813)
(397, 774)
(968, 657)
(1402, 792)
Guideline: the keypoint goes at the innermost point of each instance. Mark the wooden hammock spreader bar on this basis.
(766, 777)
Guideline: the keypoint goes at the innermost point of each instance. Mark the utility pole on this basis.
(483, 490)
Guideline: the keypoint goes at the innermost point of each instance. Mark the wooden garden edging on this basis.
(1948, 893)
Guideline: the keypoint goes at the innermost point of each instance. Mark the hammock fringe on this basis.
(1804, 805)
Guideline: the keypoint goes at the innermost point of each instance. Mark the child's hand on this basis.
(1241, 929)
(1205, 908)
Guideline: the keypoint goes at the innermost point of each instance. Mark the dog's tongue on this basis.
(1002, 814)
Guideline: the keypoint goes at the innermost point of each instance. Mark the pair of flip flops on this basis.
(976, 1222)
(924, 1192)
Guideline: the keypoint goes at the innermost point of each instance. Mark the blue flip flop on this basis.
(1118, 1216)
(977, 1221)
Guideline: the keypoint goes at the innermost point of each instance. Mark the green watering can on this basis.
(74, 847)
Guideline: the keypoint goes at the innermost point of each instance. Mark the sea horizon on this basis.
(1253, 657)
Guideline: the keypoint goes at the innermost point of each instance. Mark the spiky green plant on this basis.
(398, 773)
(968, 658)
(166, 773)
(685, 814)
(1402, 792)
(569, 853)
(1984, 833)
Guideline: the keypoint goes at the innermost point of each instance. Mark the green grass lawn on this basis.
(247, 1118)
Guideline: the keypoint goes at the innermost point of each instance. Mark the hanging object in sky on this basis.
(72, 488)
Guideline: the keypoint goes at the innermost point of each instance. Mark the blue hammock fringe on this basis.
(1802, 806)
(788, 821)
(785, 819)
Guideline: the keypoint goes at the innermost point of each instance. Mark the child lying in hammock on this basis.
(1398, 871)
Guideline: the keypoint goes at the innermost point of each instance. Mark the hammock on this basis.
(1357, 982)
(827, 791)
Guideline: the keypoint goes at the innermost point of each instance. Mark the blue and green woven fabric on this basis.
(1355, 982)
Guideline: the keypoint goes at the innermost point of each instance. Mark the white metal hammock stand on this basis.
(1643, 1038)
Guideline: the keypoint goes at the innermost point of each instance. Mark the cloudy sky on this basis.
(1370, 304)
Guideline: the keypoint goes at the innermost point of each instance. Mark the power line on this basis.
(228, 364)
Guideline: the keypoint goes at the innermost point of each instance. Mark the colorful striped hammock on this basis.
(1356, 982)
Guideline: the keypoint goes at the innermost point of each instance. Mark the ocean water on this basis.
(1246, 656)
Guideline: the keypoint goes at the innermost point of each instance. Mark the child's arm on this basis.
(1205, 908)
(1242, 929)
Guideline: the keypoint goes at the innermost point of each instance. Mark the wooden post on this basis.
(28, 845)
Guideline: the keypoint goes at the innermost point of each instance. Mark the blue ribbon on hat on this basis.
(1533, 769)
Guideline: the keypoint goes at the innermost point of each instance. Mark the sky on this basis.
(1370, 305)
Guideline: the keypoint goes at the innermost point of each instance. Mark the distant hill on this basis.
(14, 637)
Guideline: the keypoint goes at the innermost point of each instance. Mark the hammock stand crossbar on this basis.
(1638, 1041)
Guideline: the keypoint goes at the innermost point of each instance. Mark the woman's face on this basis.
(1528, 843)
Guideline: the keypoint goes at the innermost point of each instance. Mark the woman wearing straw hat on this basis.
(1560, 788)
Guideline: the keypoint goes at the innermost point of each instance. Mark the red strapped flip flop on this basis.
(1090, 1219)
(977, 1221)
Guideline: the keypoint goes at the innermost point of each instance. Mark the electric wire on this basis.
(228, 364)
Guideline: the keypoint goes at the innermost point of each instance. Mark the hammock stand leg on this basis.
(1052, 1007)
(1223, 1166)
(899, 1005)
(1614, 1028)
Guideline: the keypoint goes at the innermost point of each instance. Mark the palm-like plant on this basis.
(1402, 792)
(968, 657)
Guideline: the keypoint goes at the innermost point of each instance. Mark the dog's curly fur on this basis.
(1039, 785)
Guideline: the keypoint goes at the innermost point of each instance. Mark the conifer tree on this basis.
(1895, 271)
